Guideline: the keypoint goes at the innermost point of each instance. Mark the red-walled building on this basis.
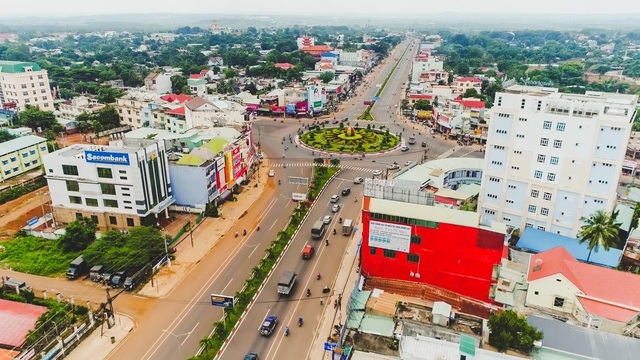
(438, 246)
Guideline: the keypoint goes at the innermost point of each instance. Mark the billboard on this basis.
(238, 165)
(222, 300)
(389, 236)
(314, 98)
(221, 179)
(103, 157)
(228, 167)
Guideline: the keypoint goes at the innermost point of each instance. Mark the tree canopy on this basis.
(599, 230)
(511, 331)
(79, 234)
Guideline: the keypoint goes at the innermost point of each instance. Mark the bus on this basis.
(318, 230)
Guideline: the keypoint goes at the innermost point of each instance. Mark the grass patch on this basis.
(334, 139)
(222, 329)
(37, 256)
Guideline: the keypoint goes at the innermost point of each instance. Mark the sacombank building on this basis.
(118, 187)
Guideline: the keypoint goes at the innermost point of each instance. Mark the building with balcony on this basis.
(21, 155)
(118, 187)
(425, 63)
(197, 84)
(553, 158)
(461, 85)
(130, 107)
(24, 83)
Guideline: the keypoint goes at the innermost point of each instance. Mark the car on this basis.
(345, 119)
(327, 219)
(404, 148)
(346, 191)
(335, 208)
(358, 180)
(393, 166)
(307, 252)
(106, 277)
(268, 325)
(251, 356)
(424, 144)
(408, 162)
(396, 105)
(118, 279)
(272, 173)
(335, 198)
(335, 121)
(377, 172)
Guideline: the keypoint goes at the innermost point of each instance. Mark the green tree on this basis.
(511, 331)
(422, 104)
(108, 95)
(335, 162)
(79, 234)
(5, 136)
(326, 76)
(599, 230)
(107, 117)
(36, 119)
(178, 82)
(471, 93)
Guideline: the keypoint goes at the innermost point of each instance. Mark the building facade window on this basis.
(391, 254)
(104, 173)
(113, 220)
(534, 193)
(544, 211)
(560, 126)
(541, 158)
(70, 170)
(546, 125)
(75, 200)
(130, 222)
(557, 144)
(72, 185)
(532, 209)
(110, 203)
(108, 189)
(413, 258)
(416, 239)
(547, 196)
(544, 141)
(372, 251)
(551, 176)
(554, 160)
(537, 174)
(91, 202)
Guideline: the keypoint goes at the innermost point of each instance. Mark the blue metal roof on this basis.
(538, 241)
(328, 54)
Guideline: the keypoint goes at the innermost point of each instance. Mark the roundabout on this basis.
(350, 139)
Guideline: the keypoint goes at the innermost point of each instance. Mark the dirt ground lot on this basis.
(15, 214)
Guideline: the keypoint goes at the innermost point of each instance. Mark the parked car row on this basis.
(99, 273)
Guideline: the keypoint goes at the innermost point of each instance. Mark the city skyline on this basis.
(353, 7)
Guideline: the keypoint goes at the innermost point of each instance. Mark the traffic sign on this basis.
(222, 300)
(329, 346)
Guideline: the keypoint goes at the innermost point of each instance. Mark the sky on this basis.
(350, 7)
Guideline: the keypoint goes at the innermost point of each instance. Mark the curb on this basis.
(268, 276)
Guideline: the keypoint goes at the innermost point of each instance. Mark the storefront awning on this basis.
(225, 194)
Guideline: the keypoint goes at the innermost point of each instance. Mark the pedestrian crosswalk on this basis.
(306, 164)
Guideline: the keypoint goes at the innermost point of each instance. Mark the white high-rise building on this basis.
(25, 83)
(552, 158)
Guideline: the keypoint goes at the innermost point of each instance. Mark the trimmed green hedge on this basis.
(18, 191)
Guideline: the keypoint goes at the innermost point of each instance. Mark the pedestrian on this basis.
(321, 302)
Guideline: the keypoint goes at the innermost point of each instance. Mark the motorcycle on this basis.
(300, 321)
(340, 221)
(258, 228)
(326, 289)
(279, 182)
(334, 231)
(286, 331)
(318, 277)
(308, 292)
(244, 232)
(236, 233)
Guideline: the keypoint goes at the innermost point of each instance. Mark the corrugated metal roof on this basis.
(424, 212)
(425, 348)
(10, 146)
(592, 343)
(16, 319)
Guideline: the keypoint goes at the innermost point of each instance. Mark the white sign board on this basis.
(298, 196)
(389, 236)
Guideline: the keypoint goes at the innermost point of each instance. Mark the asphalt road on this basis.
(172, 327)
(289, 308)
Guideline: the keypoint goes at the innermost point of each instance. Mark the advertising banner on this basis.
(314, 98)
(228, 168)
(389, 236)
(221, 179)
(238, 168)
(103, 157)
(291, 108)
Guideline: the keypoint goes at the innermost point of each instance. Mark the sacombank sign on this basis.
(103, 157)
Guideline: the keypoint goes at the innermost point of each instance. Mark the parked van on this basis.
(95, 273)
(118, 279)
(132, 281)
(77, 268)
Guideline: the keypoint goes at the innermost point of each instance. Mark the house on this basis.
(25, 83)
(463, 84)
(215, 61)
(596, 297)
(176, 99)
(158, 83)
(317, 50)
(197, 84)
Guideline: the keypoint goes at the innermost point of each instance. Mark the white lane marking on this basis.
(189, 334)
(254, 250)
(303, 246)
(264, 317)
(225, 287)
(274, 224)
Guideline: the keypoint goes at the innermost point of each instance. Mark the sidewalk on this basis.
(99, 342)
(194, 247)
(343, 286)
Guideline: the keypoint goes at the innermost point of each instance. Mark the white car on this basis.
(404, 148)
(358, 180)
(335, 208)
(377, 173)
(393, 166)
(272, 173)
(408, 162)
(335, 198)
(327, 219)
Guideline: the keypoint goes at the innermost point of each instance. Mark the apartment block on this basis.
(552, 158)
(24, 83)
(21, 155)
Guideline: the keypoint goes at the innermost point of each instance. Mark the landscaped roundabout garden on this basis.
(349, 139)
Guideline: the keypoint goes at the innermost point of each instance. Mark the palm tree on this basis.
(335, 162)
(600, 229)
